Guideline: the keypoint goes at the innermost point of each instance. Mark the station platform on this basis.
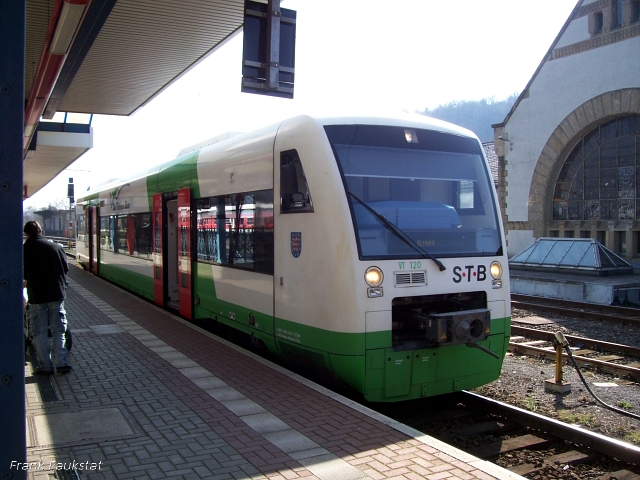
(153, 396)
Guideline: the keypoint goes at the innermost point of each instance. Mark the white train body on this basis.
(273, 232)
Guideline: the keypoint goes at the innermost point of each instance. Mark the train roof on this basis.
(396, 120)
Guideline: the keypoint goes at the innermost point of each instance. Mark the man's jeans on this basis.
(42, 316)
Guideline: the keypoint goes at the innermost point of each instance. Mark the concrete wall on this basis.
(574, 291)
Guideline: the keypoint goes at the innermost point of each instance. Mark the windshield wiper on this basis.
(400, 234)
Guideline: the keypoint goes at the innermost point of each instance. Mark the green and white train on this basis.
(369, 248)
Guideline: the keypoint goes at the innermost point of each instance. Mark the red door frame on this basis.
(184, 253)
(156, 232)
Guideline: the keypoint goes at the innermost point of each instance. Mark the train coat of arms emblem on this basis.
(296, 244)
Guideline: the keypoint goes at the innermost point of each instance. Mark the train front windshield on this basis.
(431, 187)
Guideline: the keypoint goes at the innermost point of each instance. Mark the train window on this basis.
(104, 232)
(127, 234)
(465, 194)
(121, 235)
(467, 199)
(236, 230)
(134, 235)
(107, 234)
(81, 229)
(436, 190)
(113, 244)
(142, 225)
(294, 190)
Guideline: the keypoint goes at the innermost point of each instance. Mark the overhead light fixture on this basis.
(506, 139)
(66, 27)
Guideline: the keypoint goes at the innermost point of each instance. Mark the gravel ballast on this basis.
(522, 383)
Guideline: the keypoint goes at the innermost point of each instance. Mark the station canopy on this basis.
(106, 57)
(584, 256)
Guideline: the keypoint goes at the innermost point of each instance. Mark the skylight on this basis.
(577, 255)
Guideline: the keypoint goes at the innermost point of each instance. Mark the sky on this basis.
(351, 56)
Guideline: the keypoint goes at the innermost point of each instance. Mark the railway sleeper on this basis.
(446, 415)
(619, 475)
(519, 334)
(508, 445)
(491, 427)
(571, 457)
(623, 371)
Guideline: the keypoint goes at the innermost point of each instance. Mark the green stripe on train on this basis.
(381, 374)
(365, 362)
(135, 282)
(181, 172)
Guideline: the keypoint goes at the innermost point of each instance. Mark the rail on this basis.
(572, 433)
(69, 244)
(498, 429)
(612, 313)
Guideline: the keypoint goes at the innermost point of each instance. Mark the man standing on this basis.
(45, 268)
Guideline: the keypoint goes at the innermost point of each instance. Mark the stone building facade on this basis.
(569, 149)
(56, 223)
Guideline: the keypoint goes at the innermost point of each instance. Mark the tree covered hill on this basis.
(476, 115)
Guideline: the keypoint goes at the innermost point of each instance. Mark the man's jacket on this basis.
(45, 268)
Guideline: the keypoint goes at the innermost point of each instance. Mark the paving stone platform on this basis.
(152, 396)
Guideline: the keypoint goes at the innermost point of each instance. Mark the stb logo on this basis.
(296, 244)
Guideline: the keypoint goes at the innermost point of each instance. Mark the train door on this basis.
(294, 235)
(172, 251)
(158, 271)
(88, 239)
(94, 235)
(171, 257)
(184, 253)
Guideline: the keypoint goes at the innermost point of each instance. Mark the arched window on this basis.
(600, 180)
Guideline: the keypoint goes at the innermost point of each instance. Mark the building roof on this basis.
(492, 158)
(547, 56)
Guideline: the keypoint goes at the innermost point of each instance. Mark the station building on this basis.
(569, 149)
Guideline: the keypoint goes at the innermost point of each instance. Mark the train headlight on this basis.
(496, 270)
(373, 276)
(496, 273)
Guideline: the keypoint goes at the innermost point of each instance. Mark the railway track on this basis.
(523, 442)
(67, 243)
(592, 311)
(616, 359)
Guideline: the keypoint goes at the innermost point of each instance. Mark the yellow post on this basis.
(557, 385)
(558, 363)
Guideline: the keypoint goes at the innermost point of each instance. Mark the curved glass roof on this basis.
(571, 255)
